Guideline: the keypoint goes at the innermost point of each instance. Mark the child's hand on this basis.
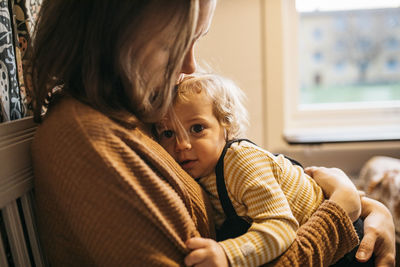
(205, 252)
(338, 187)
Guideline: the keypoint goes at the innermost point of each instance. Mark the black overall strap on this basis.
(226, 203)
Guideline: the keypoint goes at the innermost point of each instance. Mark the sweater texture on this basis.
(271, 193)
(108, 195)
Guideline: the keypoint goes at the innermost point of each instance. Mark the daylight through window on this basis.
(349, 52)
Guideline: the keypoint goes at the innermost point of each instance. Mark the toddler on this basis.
(259, 198)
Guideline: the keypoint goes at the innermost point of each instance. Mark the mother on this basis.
(107, 193)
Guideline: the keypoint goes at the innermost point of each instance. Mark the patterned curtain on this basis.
(16, 25)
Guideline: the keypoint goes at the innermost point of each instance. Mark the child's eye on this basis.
(167, 133)
(197, 128)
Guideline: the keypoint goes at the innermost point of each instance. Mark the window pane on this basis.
(349, 51)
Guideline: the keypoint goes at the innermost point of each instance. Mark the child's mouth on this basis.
(187, 164)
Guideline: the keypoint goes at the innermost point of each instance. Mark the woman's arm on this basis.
(329, 233)
(379, 233)
(329, 223)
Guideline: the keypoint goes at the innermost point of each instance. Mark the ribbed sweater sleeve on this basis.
(325, 238)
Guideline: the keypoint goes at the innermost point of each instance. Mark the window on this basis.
(348, 84)
(392, 64)
(317, 34)
(392, 43)
(317, 56)
(340, 65)
(392, 21)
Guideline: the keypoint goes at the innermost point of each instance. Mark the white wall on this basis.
(233, 48)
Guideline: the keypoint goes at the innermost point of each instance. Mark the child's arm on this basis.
(255, 194)
(302, 192)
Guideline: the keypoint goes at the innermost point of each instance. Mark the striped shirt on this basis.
(268, 191)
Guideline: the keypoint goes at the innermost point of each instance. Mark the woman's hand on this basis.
(379, 234)
(338, 187)
(205, 252)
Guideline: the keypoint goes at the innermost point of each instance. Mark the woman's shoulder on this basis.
(77, 114)
(75, 118)
(71, 126)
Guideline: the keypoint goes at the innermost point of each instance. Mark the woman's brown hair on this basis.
(91, 50)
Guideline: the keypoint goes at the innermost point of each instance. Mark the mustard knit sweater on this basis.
(108, 195)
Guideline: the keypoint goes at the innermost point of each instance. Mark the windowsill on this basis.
(342, 135)
(347, 149)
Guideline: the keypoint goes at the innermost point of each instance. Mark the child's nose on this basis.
(182, 145)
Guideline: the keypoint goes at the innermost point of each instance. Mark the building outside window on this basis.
(348, 74)
(357, 38)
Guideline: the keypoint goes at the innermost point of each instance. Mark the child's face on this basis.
(200, 153)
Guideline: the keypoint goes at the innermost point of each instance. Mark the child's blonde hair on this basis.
(226, 96)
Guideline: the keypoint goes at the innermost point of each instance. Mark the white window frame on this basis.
(371, 121)
(317, 141)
